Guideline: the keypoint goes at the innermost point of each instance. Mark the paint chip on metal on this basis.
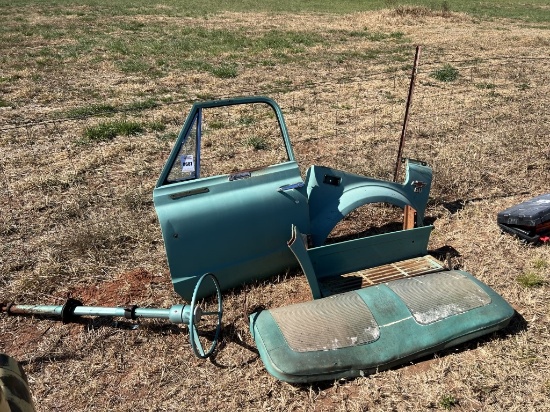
(305, 326)
(437, 296)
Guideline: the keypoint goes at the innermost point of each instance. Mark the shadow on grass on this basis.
(370, 231)
(231, 334)
(457, 205)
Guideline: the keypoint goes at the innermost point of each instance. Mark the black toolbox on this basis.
(529, 220)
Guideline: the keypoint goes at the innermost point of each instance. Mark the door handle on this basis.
(179, 195)
(290, 186)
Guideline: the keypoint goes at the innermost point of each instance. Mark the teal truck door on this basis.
(233, 223)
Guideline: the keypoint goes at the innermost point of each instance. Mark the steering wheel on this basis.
(197, 313)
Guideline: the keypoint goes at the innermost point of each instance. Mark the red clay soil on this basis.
(127, 288)
(28, 336)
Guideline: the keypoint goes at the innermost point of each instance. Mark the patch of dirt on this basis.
(418, 367)
(126, 289)
(24, 338)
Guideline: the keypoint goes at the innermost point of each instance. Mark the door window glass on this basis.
(231, 139)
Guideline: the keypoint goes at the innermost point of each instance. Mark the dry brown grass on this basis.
(78, 218)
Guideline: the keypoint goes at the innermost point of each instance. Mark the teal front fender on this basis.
(333, 194)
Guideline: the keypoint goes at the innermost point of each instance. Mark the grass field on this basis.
(92, 96)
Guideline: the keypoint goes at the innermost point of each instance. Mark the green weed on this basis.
(135, 66)
(92, 110)
(216, 124)
(277, 39)
(447, 73)
(156, 126)
(257, 143)
(167, 137)
(540, 264)
(143, 105)
(106, 131)
(448, 401)
(225, 71)
(375, 36)
(531, 280)
(247, 120)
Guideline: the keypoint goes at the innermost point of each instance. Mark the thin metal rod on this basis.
(176, 314)
(406, 121)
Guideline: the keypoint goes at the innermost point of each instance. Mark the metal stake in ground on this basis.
(406, 121)
(187, 314)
